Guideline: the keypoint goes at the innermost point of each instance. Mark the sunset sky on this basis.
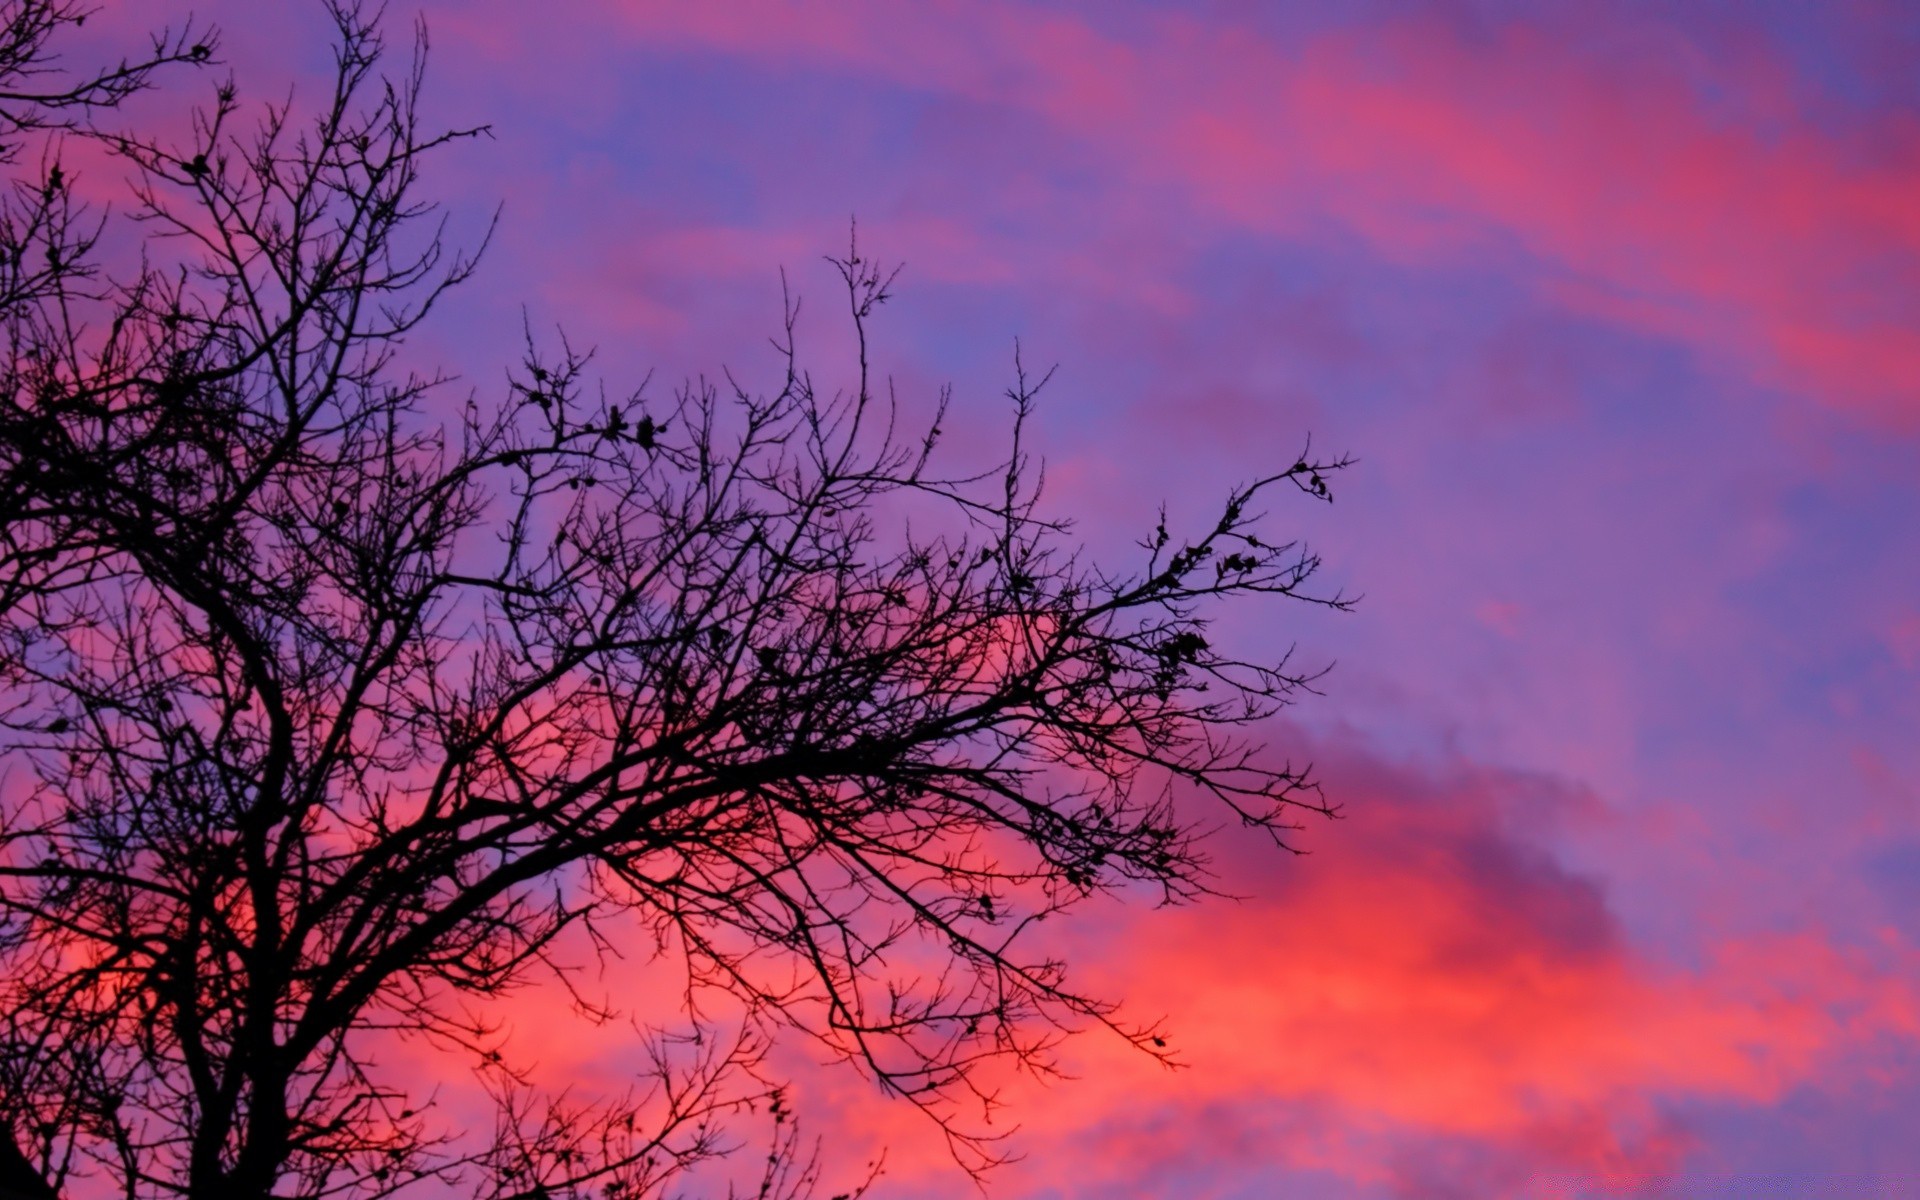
(1618, 306)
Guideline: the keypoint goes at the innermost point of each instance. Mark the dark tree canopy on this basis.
(326, 717)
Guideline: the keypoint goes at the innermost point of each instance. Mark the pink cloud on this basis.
(1743, 230)
(1904, 640)
(1501, 616)
(1429, 997)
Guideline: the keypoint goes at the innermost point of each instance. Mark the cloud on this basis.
(1429, 1004)
(1654, 190)
(1433, 1003)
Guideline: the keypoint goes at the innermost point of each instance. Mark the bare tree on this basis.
(328, 720)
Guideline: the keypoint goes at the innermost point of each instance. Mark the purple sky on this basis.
(1618, 305)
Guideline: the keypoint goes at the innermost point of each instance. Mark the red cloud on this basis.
(1430, 1004)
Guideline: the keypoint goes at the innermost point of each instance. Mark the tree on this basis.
(329, 720)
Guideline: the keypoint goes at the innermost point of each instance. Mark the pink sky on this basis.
(1617, 305)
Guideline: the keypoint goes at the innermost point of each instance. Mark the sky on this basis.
(1618, 307)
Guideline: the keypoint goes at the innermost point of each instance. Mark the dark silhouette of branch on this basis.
(37, 95)
(327, 719)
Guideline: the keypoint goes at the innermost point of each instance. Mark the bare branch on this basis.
(333, 722)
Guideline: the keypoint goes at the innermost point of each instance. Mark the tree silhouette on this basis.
(328, 720)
